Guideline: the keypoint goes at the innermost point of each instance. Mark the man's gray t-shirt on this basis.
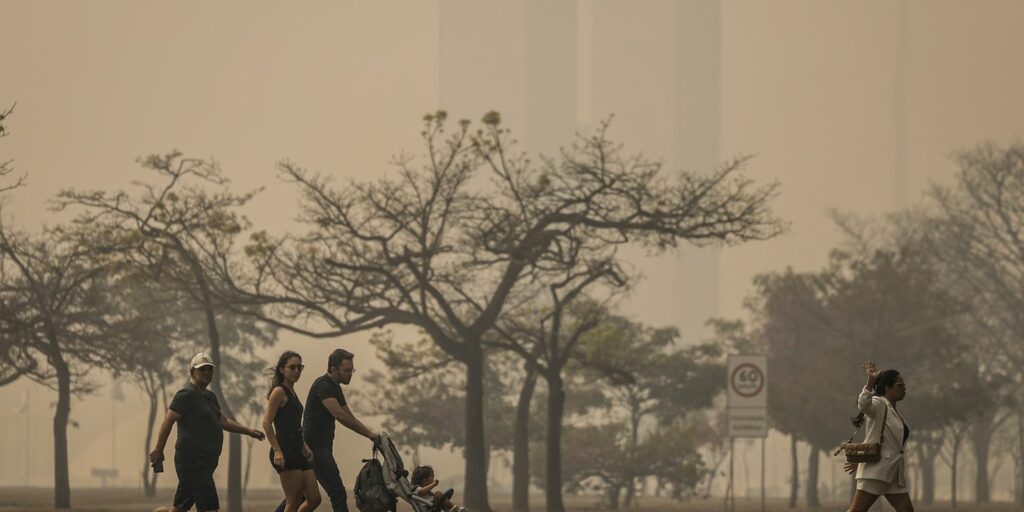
(199, 430)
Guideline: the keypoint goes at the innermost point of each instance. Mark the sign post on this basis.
(747, 408)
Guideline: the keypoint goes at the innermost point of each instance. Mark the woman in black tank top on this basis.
(289, 455)
(288, 430)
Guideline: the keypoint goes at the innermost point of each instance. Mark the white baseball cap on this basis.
(202, 359)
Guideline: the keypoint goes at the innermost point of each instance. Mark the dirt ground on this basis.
(111, 500)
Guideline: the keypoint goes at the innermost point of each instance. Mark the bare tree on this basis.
(950, 454)
(6, 167)
(557, 331)
(422, 389)
(984, 212)
(884, 295)
(979, 227)
(1002, 445)
(1018, 466)
(437, 249)
(157, 356)
(56, 292)
(981, 433)
(244, 388)
(642, 377)
(178, 230)
(714, 441)
(666, 384)
(521, 441)
(150, 363)
(546, 331)
(153, 378)
(926, 448)
(16, 354)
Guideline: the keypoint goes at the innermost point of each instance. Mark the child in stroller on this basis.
(398, 485)
(423, 481)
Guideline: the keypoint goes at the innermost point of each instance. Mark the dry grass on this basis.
(266, 500)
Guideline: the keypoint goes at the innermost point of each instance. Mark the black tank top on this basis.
(288, 421)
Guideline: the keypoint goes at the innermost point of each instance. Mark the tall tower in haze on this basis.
(901, 160)
(518, 58)
(698, 130)
(554, 68)
(656, 67)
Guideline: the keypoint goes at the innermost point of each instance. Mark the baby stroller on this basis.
(397, 482)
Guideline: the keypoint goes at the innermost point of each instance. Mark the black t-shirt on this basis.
(317, 421)
(199, 430)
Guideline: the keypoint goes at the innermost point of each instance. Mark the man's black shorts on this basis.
(195, 483)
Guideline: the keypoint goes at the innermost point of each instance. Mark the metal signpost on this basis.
(747, 409)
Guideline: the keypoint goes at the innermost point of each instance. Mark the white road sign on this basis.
(747, 382)
(747, 379)
(749, 422)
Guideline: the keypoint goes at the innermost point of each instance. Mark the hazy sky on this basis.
(809, 87)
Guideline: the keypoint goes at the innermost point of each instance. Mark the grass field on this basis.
(104, 500)
(118, 499)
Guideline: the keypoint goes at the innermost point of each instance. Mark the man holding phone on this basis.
(201, 427)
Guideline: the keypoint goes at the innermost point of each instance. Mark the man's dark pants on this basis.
(327, 474)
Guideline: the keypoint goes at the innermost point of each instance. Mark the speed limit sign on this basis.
(747, 381)
(747, 410)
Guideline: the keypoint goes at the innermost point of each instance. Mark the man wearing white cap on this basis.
(200, 438)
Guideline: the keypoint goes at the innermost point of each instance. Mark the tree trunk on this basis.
(149, 480)
(629, 501)
(812, 479)
(61, 480)
(248, 465)
(553, 466)
(794, 482)
(981, 439)
(1019, 466)
(952, 471)
(521, 446)
(614, 491)
(476, 448)
(913, 476)
(234, 440)
(926, 454)
(235, 472)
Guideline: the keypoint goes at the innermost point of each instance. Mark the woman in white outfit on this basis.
(888, 476)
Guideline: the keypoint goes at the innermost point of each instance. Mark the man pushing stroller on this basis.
(389, 476)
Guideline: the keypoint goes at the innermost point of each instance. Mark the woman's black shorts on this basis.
(293, 459)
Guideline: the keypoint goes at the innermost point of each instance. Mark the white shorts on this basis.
(880, 487)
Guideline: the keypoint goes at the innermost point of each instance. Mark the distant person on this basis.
(888, 476)
(200, 437)
(326, 404)
(282, 422)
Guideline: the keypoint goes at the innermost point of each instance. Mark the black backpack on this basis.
(372, 495)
